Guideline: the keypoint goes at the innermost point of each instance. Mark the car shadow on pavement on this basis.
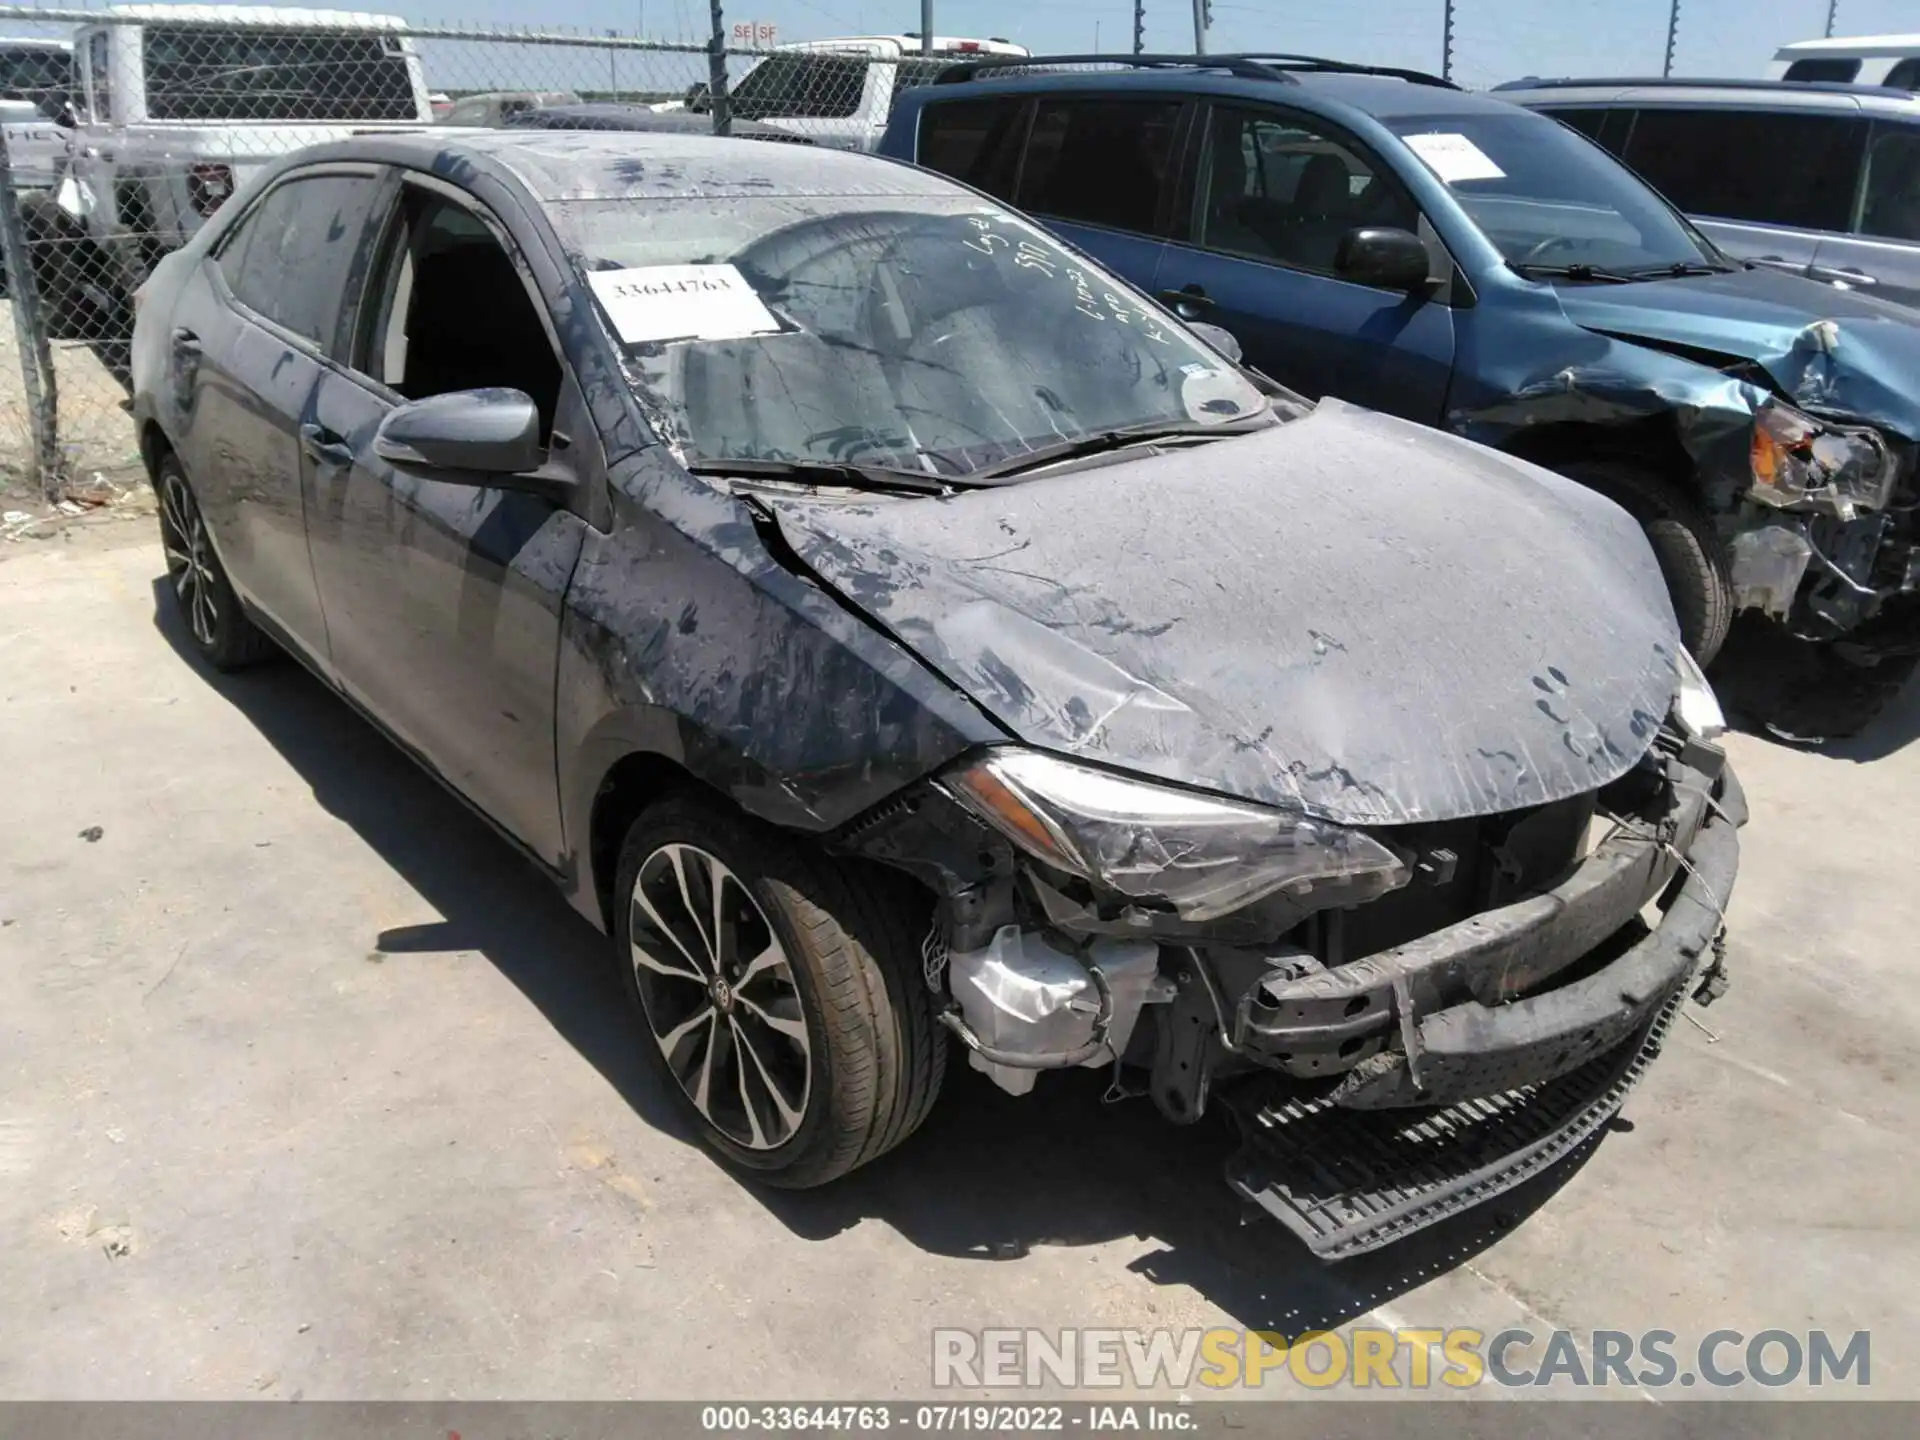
(993, 1177)
(1793, 692)
(494, 902)
(990, 1176)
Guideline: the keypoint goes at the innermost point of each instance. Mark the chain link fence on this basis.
(111, 164)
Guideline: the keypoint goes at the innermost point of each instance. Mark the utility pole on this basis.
(1673, 34)
(1446, 43)
(1833, 9)
(926, 27)
(1139, 26)
(1202, 18)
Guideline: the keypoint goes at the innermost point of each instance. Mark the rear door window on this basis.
(1100, 162)
(1904, 76)
(1891, 209)
(289, 259)
(1588, 122)
(1833, 70)
(209, 74)
(974, 141)
(1773, 169)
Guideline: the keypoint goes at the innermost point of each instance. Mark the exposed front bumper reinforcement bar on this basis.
(1509, 1089)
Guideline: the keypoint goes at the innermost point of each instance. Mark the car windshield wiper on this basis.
(1678, 269)
(1592, 274)
(829, 472)
(1107, 440)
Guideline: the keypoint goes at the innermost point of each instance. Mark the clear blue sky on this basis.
(1494, 39)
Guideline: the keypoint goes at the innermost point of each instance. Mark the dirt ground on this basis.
(95, 431)
(309, 1089)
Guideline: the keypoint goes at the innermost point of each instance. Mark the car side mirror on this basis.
(1220, 339)
(477, 437)
(1385, 258)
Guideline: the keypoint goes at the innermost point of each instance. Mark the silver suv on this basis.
(1823, 180)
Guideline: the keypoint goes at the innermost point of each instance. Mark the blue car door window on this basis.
(1099, 162)
(1276, 190)
(1891, 209)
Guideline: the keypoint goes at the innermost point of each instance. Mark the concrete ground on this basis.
(309, 1089)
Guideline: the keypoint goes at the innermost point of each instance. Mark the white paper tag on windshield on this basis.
(1454, 157)
(681, 302)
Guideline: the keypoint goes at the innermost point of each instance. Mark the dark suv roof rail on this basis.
(1656, 82)
(1235, 65)
(1313, 63)
(1278, 68)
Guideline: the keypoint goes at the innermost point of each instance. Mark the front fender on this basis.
(685, 638)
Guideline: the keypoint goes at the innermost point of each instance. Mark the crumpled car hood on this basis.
(1863, 361)
(1350, 614)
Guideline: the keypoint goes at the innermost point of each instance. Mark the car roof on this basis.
(558, 165)
(1782, 95)
(1375, 94)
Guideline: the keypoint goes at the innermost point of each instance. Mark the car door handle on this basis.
(323, 447)
(185, 342)
(1188, 301)
(1843, 275)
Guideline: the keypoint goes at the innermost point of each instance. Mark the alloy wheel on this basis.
(720, 997)
(183, 536)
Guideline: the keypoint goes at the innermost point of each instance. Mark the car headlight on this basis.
(1203, 856)
(1695, 706)
(1800, 463)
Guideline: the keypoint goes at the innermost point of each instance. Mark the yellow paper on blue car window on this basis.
(681, 302)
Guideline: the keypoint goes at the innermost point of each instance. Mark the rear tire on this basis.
(804, 1042)
(216, 623)
(1691, 557)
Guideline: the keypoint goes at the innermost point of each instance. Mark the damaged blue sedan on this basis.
(899, 634)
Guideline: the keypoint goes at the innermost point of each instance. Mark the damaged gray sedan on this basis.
(896, 632)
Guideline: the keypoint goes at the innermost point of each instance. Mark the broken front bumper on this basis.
(1475, 1096)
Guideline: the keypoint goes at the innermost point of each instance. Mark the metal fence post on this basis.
(1833, 14)
(717, 74)
(1673, 35)
(30, 334)
(1446, 42)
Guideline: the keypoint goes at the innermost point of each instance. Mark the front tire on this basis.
(1691, 558)
(780, 992)
(217, 625)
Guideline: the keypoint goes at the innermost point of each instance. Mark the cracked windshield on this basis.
(935, 335)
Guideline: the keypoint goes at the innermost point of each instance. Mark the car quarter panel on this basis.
(687, 638)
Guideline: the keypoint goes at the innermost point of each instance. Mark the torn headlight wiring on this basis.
(1203, 856)
(1800, 463)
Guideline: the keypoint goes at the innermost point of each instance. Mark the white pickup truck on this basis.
(176, 105)
(841, 92)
